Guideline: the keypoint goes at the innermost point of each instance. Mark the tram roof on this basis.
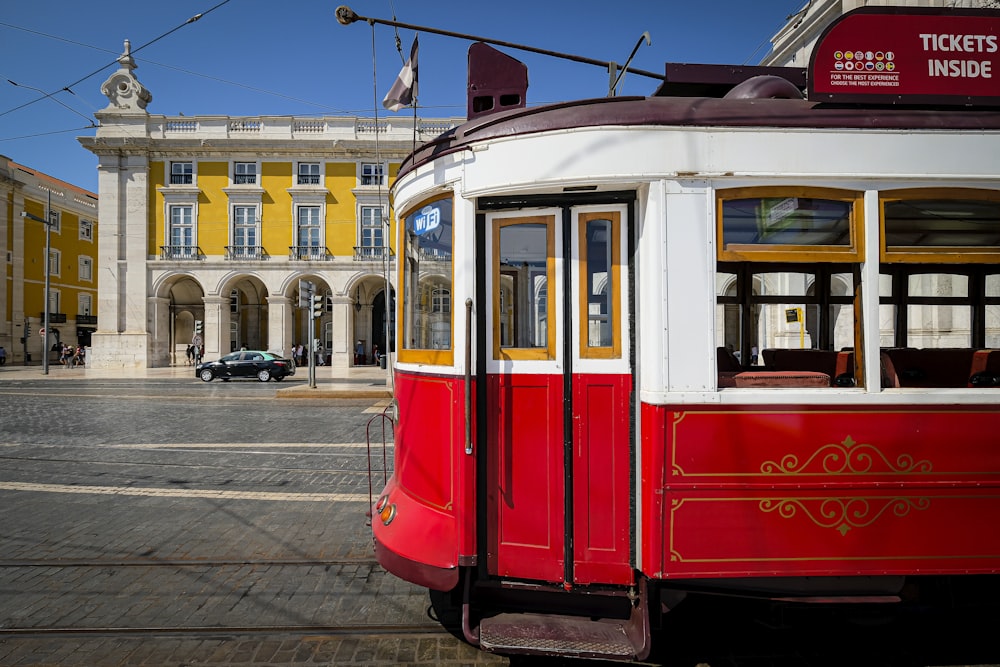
(669, 111)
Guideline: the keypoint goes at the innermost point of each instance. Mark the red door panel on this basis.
(526, 471)
(601, 479)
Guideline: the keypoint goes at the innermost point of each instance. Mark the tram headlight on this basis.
(387, 514)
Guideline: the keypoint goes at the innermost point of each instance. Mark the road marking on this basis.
(186, 493)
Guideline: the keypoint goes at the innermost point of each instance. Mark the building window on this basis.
(182, 231)
(56, 221)
(308, 233)
(54, 262)
(86, 269)
(84, 304)
(371, 230)
(54, 302)
(245, 173)
(181, 173)
(372, 174)
(441, 300)
(86, 230)
(308, 173)
(244, 226)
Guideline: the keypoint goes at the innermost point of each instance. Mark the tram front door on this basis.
(558, 395)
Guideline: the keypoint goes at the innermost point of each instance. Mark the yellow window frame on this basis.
(852, 252)
(934, 254)
(430, 357)
(526, 353)
(614, 351)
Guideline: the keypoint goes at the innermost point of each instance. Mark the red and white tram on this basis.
(733, 339)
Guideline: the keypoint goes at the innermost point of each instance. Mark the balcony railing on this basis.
(86, 319)
(54, 318)
(308, 179)
(181, 252)
(309, 252)
(372, 179)
(245, 253)
(181, 179)
(434, 256)
(370, 253)
(244, 179)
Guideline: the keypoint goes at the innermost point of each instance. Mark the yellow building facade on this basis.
(213, 223)
(72, 268)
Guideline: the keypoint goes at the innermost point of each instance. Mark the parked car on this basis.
(246, 364)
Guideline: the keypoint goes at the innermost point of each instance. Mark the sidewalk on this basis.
(357, 382)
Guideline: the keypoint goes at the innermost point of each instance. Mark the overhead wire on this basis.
(67, 87)
(210, 77)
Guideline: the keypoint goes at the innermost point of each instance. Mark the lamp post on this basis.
(48, 269)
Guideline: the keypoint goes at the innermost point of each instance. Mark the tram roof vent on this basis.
(697, 80)
(497, 82)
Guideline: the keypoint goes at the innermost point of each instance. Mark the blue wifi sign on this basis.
(427, 220)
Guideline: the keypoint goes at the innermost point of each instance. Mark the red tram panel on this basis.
(820, 491)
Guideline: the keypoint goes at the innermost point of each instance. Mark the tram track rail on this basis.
(181, 562)
(346, 630)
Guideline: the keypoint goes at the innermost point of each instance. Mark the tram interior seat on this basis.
(940, 367)
(791, 375)
(837, 366)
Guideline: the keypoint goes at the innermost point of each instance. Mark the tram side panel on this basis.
(810, 491)
(431, 486)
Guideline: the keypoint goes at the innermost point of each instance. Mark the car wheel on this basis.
(206, 375)
(263, 375)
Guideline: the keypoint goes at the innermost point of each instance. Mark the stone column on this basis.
(216, 337)
(162, 350)
(342, 350)
(279, 325)
(122, 337)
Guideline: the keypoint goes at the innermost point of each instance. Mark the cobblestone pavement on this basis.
(158, 520)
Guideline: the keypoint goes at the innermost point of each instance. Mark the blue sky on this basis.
(250, 57)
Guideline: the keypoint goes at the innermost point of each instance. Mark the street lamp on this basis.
(48, 269)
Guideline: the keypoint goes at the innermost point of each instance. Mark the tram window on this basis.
(767, 307)
(523, 269)
(768, 223)
(938, 312)
(600, 294)
(992, 320)
(920, 222)
(426, 279)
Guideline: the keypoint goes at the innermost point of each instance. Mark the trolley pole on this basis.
(309, 299)
(47, 221)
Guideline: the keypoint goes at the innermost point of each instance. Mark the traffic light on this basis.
(318, 304)
(198, 326)
(306, 289)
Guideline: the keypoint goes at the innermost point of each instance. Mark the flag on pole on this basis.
(404, 90)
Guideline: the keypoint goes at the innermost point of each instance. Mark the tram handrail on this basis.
(468, 376)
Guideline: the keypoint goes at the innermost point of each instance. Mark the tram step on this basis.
(548, 634)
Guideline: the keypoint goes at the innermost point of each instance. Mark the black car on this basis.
(246, 364)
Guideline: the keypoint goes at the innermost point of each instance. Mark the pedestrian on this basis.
(375, 356)
(190, 354)
(3, 356)
(199, 352)
(359, 353)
